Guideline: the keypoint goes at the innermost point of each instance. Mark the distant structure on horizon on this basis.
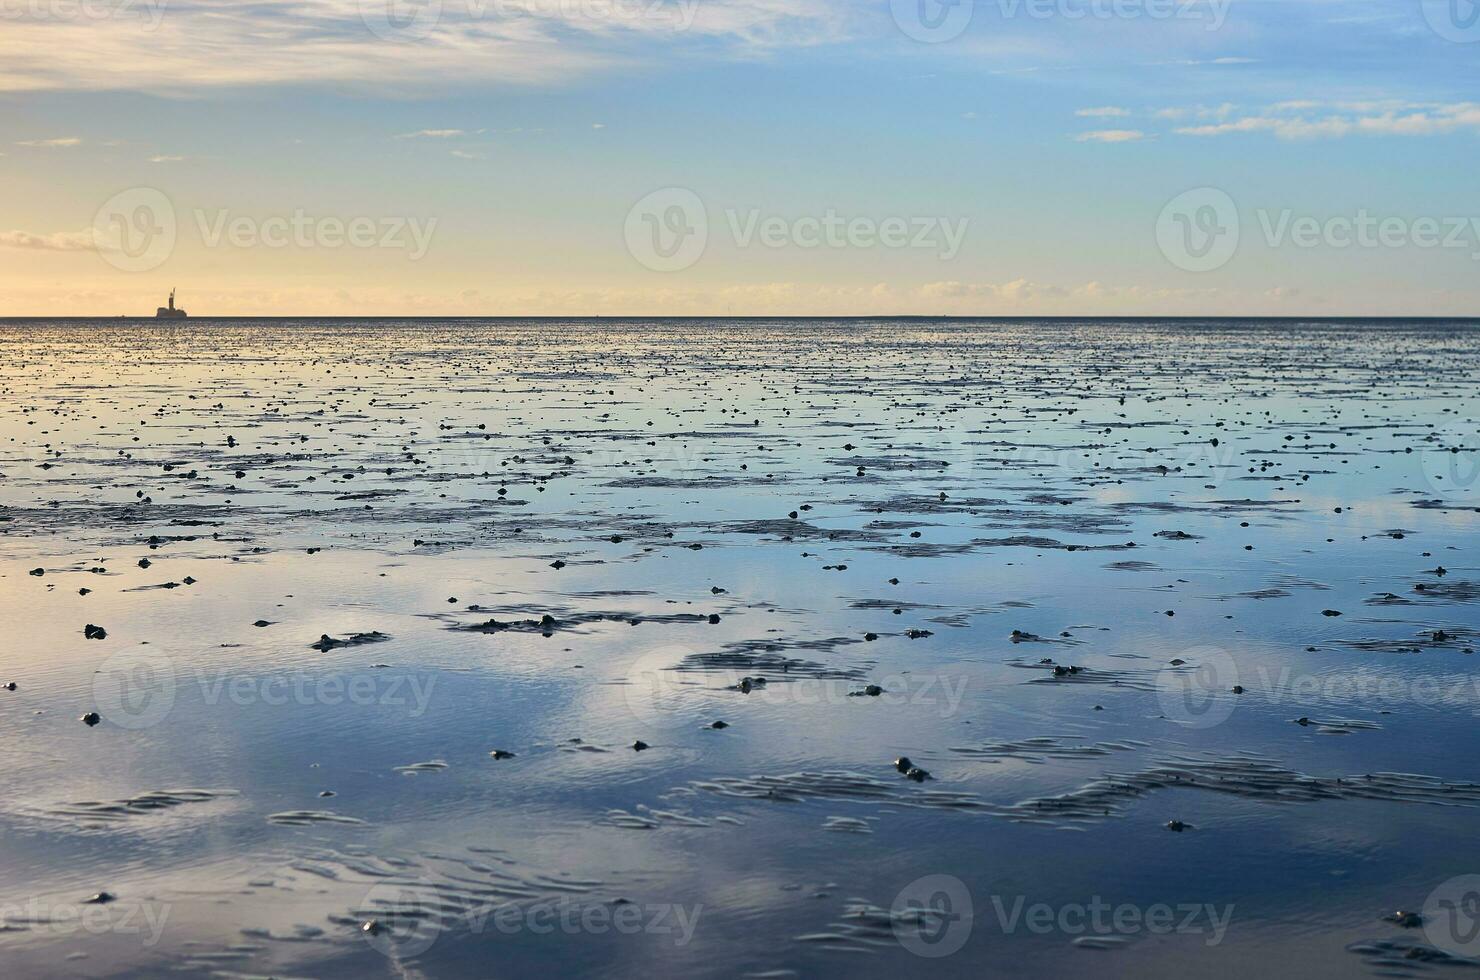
(169, 312)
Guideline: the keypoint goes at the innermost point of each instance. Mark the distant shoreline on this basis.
(768, 318)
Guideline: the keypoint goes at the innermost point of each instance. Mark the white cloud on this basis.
(1110, 136)
(1195, 62)
(432, 134)
(275, 294)
(1386, 120)
(1044, 297)
(1198, 111)
(227, 43)
(1103, 112)
(1017, 291)
(64, 141)
(62, 241)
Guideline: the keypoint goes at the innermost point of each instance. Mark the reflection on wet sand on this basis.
(737, 648)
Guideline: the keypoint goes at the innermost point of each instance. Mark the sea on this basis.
(739, 648)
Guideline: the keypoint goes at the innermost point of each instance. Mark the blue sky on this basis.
(1023, 157)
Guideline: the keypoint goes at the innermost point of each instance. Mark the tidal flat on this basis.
(767, 648)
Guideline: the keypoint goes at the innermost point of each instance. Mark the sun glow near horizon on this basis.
(554, 157)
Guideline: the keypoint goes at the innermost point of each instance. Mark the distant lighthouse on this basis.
(169, 312)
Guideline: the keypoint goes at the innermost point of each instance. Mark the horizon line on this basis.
(1149, 317)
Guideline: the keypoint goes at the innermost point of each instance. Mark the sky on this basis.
(740, 157)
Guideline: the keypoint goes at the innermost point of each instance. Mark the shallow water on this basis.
(556, 538)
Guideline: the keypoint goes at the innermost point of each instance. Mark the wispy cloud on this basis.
(1102, 112)
(59, 142)
(1018, 290)
(1294, 120)
(1198, 111)
(62, 241)
(1195, 62)
(1110, 136)
(433, 134)
(227, 43)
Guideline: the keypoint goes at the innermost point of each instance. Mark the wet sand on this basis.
(770, 648)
